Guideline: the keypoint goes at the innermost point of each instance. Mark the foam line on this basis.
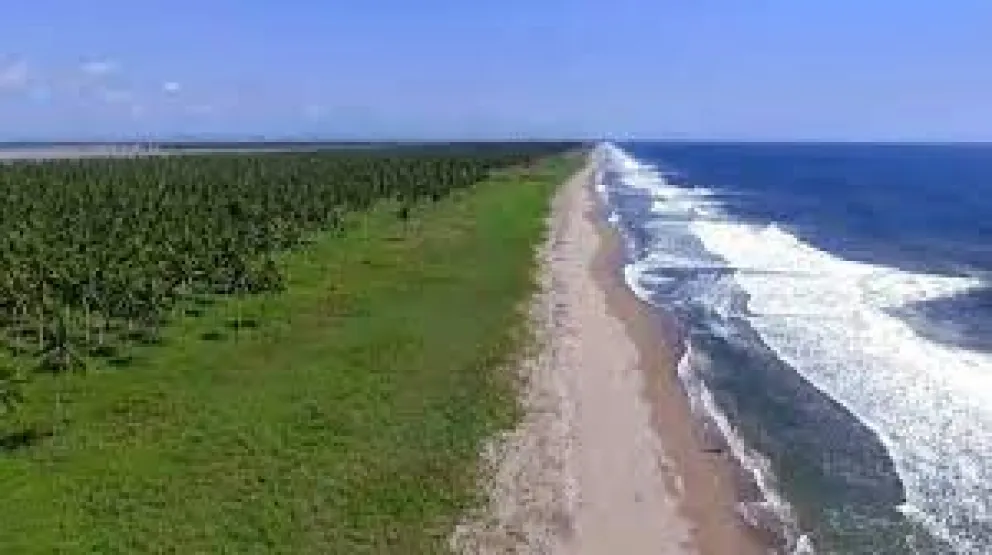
(827, 317)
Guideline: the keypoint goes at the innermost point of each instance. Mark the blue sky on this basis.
(724, 69)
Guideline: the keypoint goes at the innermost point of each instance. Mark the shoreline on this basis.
(607, 457)
(711, 482)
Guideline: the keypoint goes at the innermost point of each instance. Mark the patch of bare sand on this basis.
(586, 471)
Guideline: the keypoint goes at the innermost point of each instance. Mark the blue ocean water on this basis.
(836, 309)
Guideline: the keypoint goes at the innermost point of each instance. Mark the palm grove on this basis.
(96, 255)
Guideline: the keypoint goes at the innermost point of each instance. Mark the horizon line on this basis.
(215, 139)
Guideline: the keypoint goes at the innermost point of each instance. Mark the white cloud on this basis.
(14, 75)
(171, 87)
(98, 68)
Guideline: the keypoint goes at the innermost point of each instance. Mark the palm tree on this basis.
(97, 244)
(11, 388)
(59, 354)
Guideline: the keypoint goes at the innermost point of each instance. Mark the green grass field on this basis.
(347, 419)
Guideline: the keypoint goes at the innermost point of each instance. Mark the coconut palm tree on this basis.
(96, 245)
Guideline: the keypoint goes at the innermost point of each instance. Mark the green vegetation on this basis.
(341, 412)
(99, 253)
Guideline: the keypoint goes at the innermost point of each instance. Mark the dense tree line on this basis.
(97, 252)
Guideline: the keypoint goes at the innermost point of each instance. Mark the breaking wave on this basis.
(831, 320)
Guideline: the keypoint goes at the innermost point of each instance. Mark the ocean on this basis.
(834, 309)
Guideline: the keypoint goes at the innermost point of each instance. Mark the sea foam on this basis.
(830, 319)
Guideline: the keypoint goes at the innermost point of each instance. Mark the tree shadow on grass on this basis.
(242, 324)
(121, 361)
(22, 439)
(212, 335)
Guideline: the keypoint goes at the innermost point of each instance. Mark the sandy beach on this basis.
(608, 458)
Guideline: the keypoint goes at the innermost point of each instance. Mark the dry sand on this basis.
(607, 459)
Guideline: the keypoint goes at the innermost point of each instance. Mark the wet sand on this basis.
(608, 459)
(627, 502)
(707, 480)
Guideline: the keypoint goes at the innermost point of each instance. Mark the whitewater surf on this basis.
(863, 434)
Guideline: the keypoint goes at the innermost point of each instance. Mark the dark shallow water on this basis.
(836, 309)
